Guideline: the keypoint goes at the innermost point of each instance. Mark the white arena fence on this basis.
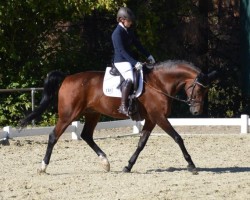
(76, 127)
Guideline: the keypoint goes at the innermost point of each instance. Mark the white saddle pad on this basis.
(111, 83)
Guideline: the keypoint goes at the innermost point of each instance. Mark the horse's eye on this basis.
(198, 92)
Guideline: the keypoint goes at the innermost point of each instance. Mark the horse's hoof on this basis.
(192, 169)
(125, 170)
(43, 168)
(105, 163)
(41, 171)
(195, 171)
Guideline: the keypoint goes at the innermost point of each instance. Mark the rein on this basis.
(172, 97)
(189, 101)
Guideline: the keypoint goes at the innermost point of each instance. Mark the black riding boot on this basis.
(124, 101)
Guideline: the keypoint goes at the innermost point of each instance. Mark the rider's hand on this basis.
(151, 59)
(138, 66)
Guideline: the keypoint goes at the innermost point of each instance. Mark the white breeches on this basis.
(126, 70)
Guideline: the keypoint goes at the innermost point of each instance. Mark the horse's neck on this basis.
(171, 81)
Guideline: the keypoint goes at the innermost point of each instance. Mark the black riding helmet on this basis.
(125, 13)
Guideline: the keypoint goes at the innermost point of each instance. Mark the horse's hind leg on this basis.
(91, 120)
(145, 133)
(53, 138)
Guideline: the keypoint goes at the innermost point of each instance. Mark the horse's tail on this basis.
(52, 84)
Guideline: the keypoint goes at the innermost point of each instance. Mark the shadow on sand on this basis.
(214, 170)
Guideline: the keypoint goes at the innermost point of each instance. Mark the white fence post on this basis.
(138, 126)
(75, 134)
(7, 130)
(244, 124)
(4, 135)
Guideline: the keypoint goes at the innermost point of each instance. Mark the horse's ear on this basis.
(213, 76)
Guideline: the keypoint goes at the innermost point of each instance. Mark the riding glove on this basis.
(151, 59)
(138, 66)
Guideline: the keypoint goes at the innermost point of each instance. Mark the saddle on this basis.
(114, 72)
(134, 114)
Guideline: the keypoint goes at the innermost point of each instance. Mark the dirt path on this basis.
(74, 172)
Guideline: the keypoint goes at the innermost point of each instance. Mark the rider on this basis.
(122, 39)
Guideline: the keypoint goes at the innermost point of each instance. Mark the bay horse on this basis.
(81, 94)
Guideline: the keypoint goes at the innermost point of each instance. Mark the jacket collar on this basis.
(121, 24)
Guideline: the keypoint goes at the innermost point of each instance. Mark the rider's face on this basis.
(127, 23)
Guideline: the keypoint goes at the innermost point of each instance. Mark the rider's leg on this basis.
(126, 70)
(125, 93)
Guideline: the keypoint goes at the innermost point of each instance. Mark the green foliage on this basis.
(39, 36)
(75, 35)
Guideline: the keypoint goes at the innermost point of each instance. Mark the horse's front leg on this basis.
(145, 133)
(167, 127)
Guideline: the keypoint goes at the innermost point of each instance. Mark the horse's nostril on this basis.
(196, 113)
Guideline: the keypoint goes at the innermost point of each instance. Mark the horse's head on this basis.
(172, 76)
(196, 91)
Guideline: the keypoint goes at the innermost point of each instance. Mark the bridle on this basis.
(190, 101)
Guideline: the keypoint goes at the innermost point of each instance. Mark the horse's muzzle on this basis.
(196, 110)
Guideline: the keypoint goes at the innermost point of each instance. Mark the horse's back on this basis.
(86, 75)
(81, 86)
(87, 78)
